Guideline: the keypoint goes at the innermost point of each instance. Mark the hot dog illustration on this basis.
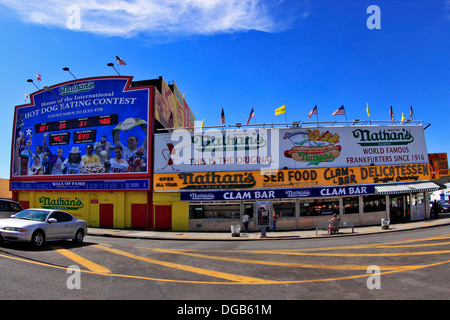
(311, 154)
(313, 146)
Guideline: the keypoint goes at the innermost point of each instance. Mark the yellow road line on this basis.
(384, 254)
(112, 274)
(211, 273)
(414, 245)
(228, 283)
(280, 264)
(80, 260)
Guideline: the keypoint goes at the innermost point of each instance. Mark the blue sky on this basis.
(240, 54)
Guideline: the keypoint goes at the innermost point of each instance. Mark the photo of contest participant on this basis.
(102, 149)
(73, 164)
(118, 164)
(54, 162)
(130, 151)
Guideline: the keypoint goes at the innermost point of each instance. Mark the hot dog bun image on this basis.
(313, 146)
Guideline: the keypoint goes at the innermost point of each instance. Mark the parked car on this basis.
(40, 225)
(9, 207)
(443, 206)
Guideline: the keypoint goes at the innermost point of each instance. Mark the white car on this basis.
(40, 225)
(9, 207)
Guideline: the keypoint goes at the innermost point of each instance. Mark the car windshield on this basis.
(29, 214)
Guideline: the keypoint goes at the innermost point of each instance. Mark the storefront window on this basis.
(374, 203)
(214, 211)
(351, 205)
(418, 199)
(317, 207)
(284, 209)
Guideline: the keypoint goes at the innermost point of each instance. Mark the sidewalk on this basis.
(278, 235)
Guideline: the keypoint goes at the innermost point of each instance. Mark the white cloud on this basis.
(128, 18)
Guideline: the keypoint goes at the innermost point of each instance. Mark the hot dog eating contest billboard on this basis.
(92, 127)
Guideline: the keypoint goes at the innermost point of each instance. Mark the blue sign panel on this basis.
(277, 193)
(89, 126)
(81, 185)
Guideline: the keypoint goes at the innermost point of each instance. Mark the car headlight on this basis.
(14, 229)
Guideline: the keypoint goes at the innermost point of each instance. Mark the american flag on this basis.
(252, 114)
(120, 61)
(411, 113)
(313, 111)
(339, 111)
(391, 113)
(222, 117)
(38, 77)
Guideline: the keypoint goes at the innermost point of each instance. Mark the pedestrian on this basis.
(435, 209)
(245, 220)
(333, 224)
(274, 221)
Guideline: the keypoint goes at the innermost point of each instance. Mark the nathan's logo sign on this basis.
(385, 137)
(76, 88)
(231, 140)
(61, 203)
(211, 180)
(313, 146)
(288, 179)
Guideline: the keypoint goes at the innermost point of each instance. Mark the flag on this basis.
(280, 110)
(313, 111)
(391, 113)
(120, 61)
(367, 109)
(203, 123)
(339, 111)
(411, 113)
(38, 77)
(222, 117)
(252, 114)
(403, 117)
(26, 96)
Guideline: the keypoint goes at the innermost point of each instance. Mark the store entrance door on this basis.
(398, 208)
(139, 216)
(163, 217)
(106, 215)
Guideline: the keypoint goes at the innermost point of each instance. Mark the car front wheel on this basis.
(37, 239)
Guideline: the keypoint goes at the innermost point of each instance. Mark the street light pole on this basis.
(46, 88)
(68, 70)
(31, 80)
(112, 65)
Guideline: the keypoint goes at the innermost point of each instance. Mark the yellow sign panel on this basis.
(295, 178)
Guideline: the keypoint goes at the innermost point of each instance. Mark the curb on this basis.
(122, 233)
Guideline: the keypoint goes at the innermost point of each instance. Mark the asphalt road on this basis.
(402, 265)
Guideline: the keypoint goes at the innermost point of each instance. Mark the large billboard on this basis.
(171, 110)
(289, 148)
(93, 127)
(438, 165)
(291, 179)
